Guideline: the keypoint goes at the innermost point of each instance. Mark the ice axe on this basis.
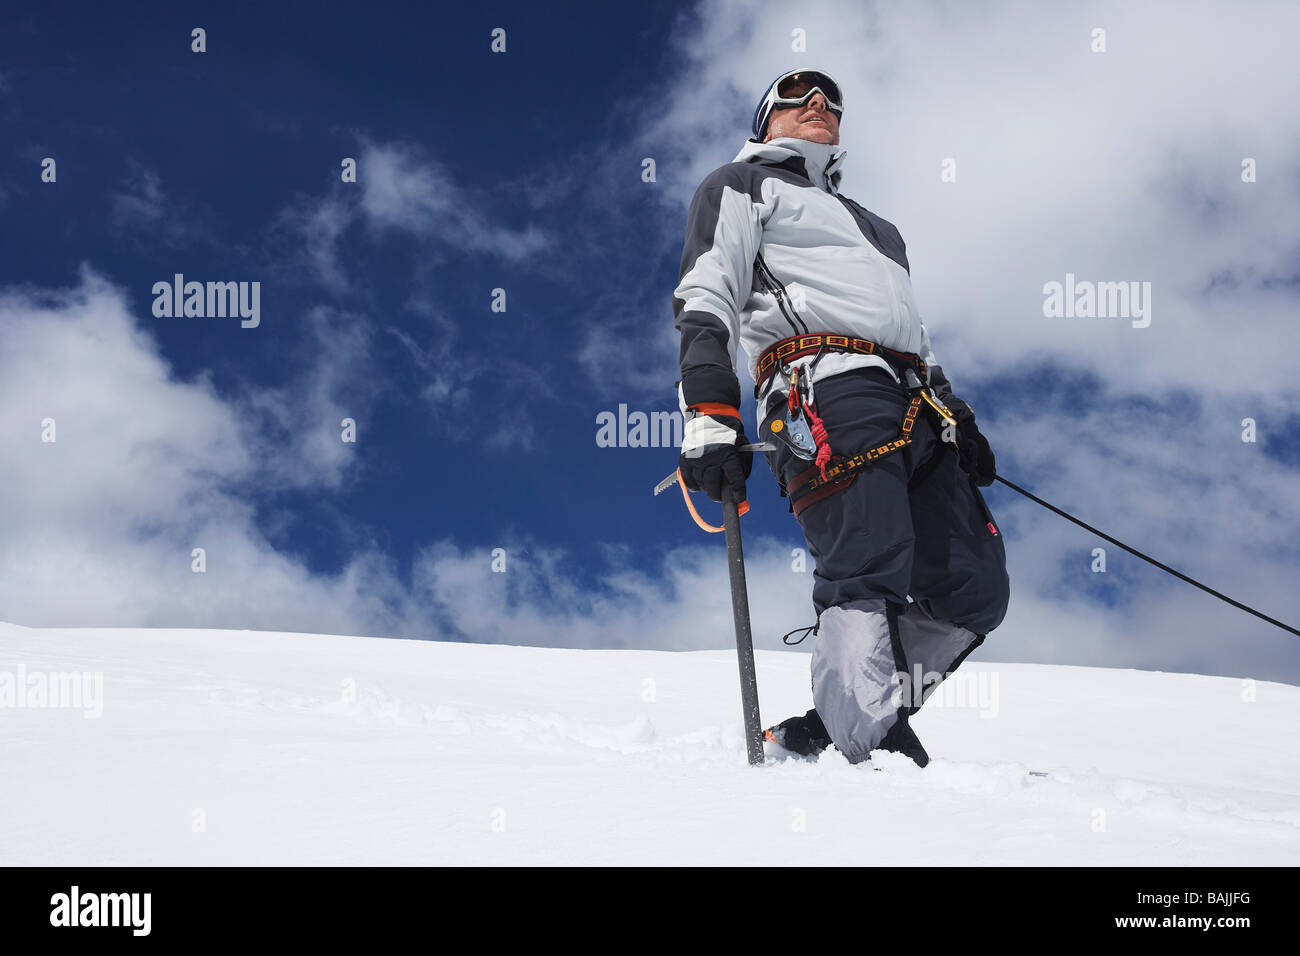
(731, 512)
(744, 638)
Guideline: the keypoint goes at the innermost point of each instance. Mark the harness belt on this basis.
(800, 346)
(812, 485)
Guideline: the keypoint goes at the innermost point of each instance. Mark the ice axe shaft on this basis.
(744, 637)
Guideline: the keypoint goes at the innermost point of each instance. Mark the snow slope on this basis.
(223, 747)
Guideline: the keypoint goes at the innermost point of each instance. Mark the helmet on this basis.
(796, 88)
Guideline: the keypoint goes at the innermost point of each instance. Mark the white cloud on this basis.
(405, 191)
(143, 211)
(318, 224)
(450, 373)
(400, 190)
(301, 420)
(513, 436)
(143, 202)
(99, 525)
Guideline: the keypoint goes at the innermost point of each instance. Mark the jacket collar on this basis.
(822, 162)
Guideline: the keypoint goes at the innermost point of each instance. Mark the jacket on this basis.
(773, 249)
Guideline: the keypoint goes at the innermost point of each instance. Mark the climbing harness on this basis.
(796, 424)
(818, 482)
(781, 354)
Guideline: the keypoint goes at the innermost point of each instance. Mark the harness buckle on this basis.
(915, 384)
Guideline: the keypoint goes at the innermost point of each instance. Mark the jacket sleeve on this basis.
(723, 232)
(938, 380)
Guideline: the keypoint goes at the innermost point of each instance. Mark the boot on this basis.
(902, 739)
(804, 735)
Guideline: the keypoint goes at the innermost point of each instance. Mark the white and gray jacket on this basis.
(773, 250)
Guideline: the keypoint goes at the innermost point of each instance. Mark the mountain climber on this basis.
(815, 290)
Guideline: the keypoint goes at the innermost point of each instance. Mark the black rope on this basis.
(1150, 560)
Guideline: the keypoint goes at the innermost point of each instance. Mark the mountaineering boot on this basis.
(902, 739)
(804, 735)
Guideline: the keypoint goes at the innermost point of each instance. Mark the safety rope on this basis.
(1150, 560)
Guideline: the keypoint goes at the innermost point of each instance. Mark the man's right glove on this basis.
(973, 451)
(710, 458)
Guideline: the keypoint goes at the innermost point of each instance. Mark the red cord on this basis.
(820, 437)
(818, 428)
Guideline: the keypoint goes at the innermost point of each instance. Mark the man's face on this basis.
(812, 121)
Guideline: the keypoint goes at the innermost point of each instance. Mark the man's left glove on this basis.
(710, 458)
(973, 451)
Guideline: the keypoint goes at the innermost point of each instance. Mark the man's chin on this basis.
(815, 135)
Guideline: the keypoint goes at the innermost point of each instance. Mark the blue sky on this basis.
(234, 138)
(522, 171)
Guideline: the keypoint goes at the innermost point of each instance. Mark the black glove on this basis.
(711, 466)
(973, 451)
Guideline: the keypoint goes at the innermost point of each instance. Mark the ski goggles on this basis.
(796, 88)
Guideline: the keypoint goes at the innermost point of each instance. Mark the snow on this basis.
(233, 747)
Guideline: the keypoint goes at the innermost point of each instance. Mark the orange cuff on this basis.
(715, 408)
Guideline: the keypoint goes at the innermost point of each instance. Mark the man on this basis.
(816, 291)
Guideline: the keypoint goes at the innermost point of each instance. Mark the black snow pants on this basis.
(910, 524)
